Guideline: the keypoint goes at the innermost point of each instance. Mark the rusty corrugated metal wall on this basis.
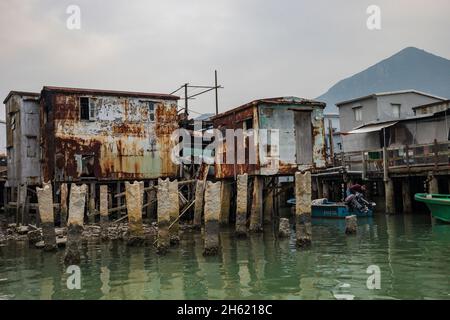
(126, 137)
(277, 113)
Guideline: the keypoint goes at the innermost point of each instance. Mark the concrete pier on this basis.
(104, 218)
(351, 224)
(92, 201)
(389, 196)
(406, 196)
(303, 208)
(45, 202)
(225, 198)
(241, 205)
(75, 224)
(133, 194)
(198, 205)
(64, 209)
(257, 205)
(212, 213)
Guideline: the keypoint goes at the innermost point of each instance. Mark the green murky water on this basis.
(412, 252)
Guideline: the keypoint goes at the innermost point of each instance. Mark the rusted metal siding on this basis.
(122, 141)
(22, 137)
(278, 114)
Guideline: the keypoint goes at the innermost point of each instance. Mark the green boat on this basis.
(439, 204)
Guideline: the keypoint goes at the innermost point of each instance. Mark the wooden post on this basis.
(257, 208)
(385, 164)
(92, 203)
(284, 228)
(319, 189)
(151, 196)
(163, 212)
(268, 203)
(241, 205)
(45, 200)
(77, 204)
(174, 230)
(433, 185)
(212, 213)
(303, 208)
(406, 196)
(104, 218)
(63, 212)
(198, 206)
(364, 166)
(134, 209)
(351, 224)
(225, 198)
(389, 196)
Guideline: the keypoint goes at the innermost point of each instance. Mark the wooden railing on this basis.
(435, 155)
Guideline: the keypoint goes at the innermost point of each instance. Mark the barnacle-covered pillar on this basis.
(198, 205)
(284, 228)
(77, 205)
(241, 205)
(351, 224)
(303, 208)
(134, 194)
(257, 207)
(45, 202)
(212, 213)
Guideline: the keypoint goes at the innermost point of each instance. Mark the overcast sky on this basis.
(260, 48)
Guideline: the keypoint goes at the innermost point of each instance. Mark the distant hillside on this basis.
(410, 68)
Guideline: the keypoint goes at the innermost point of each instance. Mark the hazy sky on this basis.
(260, 48)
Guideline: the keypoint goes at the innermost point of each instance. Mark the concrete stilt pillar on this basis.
(133, 196)
(45, 201)
(104, 218)
(284, 228)
(77, 205)
(174, 231)
(212, 213)
(389, 196)
(351, 224)
(198, 205)
(406, 196)
(303, 208)
(151, 196)
(92, 203)
(241, 205)
(64, 210)
(268, 206)
(257, 205)
(225, 198)
(163, 211)
(433, 185)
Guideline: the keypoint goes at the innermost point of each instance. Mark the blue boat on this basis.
(336, 210)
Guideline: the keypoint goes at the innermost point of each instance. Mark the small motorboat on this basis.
(330, 209)
(439, 204)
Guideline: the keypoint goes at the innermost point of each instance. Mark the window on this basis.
(151, 110)
(84, 109)
(358, 113)
(396, 110)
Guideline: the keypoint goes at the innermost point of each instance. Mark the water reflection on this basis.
(412, 251)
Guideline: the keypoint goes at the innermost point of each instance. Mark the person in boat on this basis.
(355, 198)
